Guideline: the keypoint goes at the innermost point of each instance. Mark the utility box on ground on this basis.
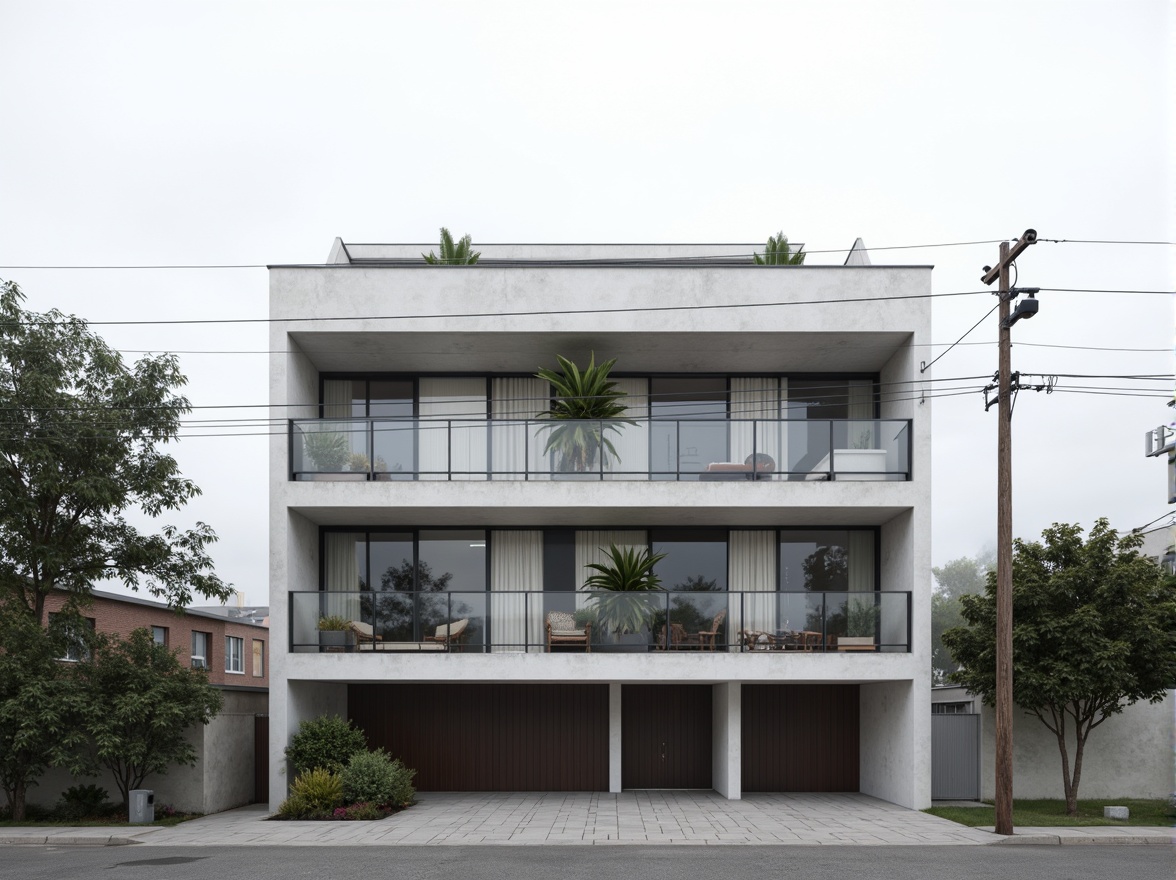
(142, 806)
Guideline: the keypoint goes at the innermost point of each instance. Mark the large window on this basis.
(688, 430)
(234, 654)
(201, 642)
(258, 658)
(840, 560)
(77, 648)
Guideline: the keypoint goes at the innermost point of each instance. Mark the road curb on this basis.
(65, 840)
(1085, 840)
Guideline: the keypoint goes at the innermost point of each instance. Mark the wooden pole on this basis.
(1004, 562)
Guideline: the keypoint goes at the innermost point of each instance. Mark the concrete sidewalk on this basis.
(674, 818)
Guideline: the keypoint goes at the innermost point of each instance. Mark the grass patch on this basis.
(118, 821)
(1029, 813)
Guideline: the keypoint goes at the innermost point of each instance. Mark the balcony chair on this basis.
(678, 638)
(706, 638)
(365, 637)
(757, 640)
(561, 630)
(449, 634)
(757, 466)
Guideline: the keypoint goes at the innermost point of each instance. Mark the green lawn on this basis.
(1028, 813)
(113, 822)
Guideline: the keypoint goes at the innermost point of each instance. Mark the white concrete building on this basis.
(775, 447)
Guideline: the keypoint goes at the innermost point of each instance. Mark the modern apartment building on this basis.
(775, 447)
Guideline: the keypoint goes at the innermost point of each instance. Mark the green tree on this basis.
(460, 254)
(1094, 630)
(82, 447)
(778, 253)
(959, 577)
(38, 702)
(138, 702)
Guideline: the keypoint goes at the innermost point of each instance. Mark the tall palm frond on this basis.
(460, 254)
(587, 403)
(777, 253)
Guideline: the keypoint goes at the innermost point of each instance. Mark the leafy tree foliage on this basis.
(138, 702)
(38, 702)
(778, 253)
(83, 447)
(1094, 630)
(460, 254)
(959, 577)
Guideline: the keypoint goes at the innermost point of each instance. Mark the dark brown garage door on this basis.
(666, 736)
(490, 737)
(800, 737)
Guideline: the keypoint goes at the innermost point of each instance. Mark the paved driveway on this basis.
(659, 817)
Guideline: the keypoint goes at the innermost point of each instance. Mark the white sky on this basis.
(248, 132)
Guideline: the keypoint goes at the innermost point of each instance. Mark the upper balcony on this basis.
(436, 449)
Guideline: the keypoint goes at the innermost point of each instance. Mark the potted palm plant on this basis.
(623, 605)
(587, 409)
(336, 635)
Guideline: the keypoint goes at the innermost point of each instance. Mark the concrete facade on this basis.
(379, 310)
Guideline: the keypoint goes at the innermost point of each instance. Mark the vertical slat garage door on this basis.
(800, 737)
(490, 737)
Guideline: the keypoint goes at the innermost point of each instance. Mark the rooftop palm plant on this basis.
(460, 254)
(627, 572)
(587, 403)
(777, 253)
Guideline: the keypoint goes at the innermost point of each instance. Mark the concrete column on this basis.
(727, 739)
(297, 701)
(614, 737)
(895, 750)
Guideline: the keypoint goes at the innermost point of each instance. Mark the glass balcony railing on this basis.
(649, 449)
(597, 621)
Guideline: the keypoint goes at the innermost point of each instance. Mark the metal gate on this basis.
(955, 757)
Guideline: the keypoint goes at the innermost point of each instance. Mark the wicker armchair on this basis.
(561, 629)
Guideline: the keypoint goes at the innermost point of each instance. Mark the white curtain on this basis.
(336, 413)
(861, 580)
(631, 441)
(757, 398)
(518, 446)
(342, 574)
(862, 434)
(457, 442)
(516, 567)
(751, 568)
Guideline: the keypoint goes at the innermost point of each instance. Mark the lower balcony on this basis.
(500, 621)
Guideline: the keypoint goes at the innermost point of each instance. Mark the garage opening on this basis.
(490, 737)
(800, 738)
(666, 733)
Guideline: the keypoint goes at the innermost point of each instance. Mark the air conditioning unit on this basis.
(198, 663)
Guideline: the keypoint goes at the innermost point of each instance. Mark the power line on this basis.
(924, 367)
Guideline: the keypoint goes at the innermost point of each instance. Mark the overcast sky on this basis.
(252, 133)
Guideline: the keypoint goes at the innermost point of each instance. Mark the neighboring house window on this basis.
(951, 708)
(159, 635)
(77, 650)
(258, 658)
(200, 644)
(234, 654)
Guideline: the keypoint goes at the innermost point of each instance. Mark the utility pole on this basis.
(1004, 537)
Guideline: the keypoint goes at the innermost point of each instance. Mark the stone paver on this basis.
(596, 819)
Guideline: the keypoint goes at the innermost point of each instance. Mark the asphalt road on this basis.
(589, 862)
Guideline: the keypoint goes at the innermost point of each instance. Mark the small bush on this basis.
(320, 790)
(369, 777)
(403, 792)
(83, 801)
(327, 742)
(33, 813)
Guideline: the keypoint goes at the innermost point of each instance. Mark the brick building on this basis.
(232, 748)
